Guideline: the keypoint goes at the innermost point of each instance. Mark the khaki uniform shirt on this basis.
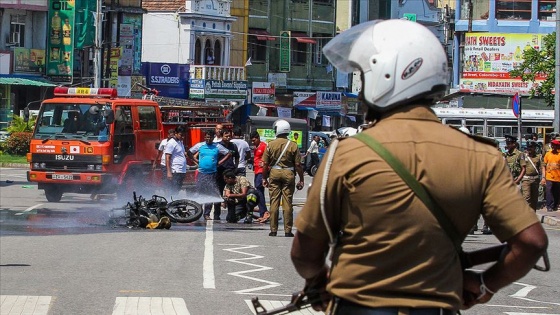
(392, 251)
(537, 161)
(289, 160)
(515, 161)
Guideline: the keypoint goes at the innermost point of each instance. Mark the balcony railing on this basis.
(224, 73)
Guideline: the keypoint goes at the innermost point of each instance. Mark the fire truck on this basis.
(87, 140)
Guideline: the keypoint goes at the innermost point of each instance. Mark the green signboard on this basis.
(285, 51)
(60, 42)
(409, 16)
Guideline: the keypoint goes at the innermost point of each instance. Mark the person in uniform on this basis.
(391, 256)
(531, 180)
(515, 159)
(280, 160)
(551, 176)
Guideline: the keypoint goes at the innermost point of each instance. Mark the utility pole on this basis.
(557, 72)
(98, 19)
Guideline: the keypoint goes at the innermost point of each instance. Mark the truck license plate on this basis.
(62, 176)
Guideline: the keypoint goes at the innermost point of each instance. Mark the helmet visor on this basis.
(338, 50)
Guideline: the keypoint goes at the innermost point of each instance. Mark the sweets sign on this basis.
(488, 58)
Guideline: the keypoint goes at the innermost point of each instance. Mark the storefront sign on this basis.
(263, 92)
(488, 58)
(285, 51)
(307, 99)
(331, 101)
(163, 74)
(217, 89)
(29, 60)
(60, 42)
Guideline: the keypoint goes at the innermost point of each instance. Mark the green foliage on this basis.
(7, 158)
(18, 125)
(539, 63)
(18, 143)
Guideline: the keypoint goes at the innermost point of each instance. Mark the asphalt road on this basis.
(68, 258)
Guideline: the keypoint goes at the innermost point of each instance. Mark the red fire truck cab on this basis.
(89, 141)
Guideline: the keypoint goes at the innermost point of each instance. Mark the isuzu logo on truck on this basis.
(64, 157)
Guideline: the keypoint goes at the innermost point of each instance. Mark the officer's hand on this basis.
(265, 182)
(316, 290)
(471, 290)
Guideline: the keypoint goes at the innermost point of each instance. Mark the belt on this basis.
(346, 307)
(531, 177)
(276, 167)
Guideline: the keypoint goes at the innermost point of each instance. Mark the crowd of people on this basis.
(221, 161)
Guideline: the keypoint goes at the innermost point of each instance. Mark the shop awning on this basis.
(308, 108)
(261, 34)
(271, 106)
(303, 38)
(22, 81)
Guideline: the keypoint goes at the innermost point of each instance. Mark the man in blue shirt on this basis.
(207, 160)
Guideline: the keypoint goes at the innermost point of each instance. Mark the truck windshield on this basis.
(69, 121)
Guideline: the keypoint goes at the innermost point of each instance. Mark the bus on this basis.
(495, 123)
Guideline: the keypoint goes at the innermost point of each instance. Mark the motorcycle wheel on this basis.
(184, 211)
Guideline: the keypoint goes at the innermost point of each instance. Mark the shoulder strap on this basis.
(282, 154)
(415, 185)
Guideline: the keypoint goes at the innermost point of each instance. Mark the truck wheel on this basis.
(313, 170)
(53, 194)
(128, 186)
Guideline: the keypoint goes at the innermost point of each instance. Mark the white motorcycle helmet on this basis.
(400, 61)
(281, 127)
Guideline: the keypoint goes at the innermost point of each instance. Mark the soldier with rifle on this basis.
(393, 211)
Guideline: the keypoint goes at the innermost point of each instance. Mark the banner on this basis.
(263, 92)
(284, 112)
(217, 89)
(285, 51)
(29, 60)
(307, 99)
(60, 43)
(488, 58)
(329, 101)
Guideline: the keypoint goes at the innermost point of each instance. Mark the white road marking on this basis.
(269, 305)
(241, 274)
(517, 306)
(524, 291)
(29, 209)
(150, 305)
(208, 278)
(21, 304)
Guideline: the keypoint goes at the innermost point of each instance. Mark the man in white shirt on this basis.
(176, 161)
(314, 151)
(161, 157)
(219, 132)
(243, 149)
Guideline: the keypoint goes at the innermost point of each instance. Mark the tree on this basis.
(19, 125)
(539, 63)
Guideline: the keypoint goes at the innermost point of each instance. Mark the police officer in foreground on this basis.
(281, 160)
(391, 255)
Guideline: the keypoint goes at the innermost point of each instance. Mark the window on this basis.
(123, 120)
(147, 116)
(513, 9)
(299, 52)
(17, 31)
(481, 9)
(318, 57)
(257, 49)
(546, 10)
(300, 42)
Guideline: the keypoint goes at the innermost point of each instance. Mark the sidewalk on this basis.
(549, 218)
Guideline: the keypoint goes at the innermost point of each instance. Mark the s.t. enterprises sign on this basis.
(217, 89)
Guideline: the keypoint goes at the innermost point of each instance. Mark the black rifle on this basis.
(301, 300)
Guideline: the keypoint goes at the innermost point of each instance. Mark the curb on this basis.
(14, 165)
(548, 220)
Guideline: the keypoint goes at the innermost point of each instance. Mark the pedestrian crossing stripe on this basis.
(23, 304)
(269, 305)
(150, 305)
